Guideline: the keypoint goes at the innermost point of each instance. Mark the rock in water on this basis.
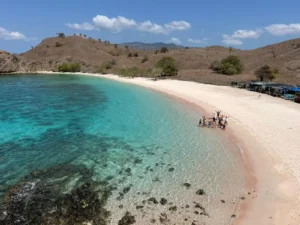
(163, 201)
(127, 219)
(200, 192)
(187, 185)
(40, 198)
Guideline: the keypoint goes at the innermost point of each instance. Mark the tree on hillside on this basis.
(58, 44)
(74, 34)
(129, 55)
(126, 46)
(136, 54)
(99, 39)
(266, 72)
(61, 35)
(84, 35)
(71, 67)
(80, 34)
(228, 66)
(167, 66)
(230, 49)
(164, 49)
(115, 45)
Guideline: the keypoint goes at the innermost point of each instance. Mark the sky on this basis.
(194, 23)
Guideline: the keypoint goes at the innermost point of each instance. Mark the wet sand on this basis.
(266, 130)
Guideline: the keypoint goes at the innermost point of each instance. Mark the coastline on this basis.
(268, 144)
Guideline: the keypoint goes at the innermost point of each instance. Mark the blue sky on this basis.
(195, 23)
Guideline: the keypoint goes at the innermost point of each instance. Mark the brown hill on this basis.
(8, 62)
(193, 63)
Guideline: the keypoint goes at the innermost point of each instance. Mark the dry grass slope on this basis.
(193, 63)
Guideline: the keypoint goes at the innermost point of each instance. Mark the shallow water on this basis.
(127, 135)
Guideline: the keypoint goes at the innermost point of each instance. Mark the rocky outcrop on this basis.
(8, 62)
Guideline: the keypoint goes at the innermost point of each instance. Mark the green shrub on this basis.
(60, 35)
(69, 67)
(229, 66)
(135, 71)
(130, 72)
(58, 44)
(107, 66)
(129, 55)
(144, 59)
(164, 49)
(266, 72)
(167, 66)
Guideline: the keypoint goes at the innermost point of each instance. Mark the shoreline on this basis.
(275, 179)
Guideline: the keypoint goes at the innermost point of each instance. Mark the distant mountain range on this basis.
(151, 46)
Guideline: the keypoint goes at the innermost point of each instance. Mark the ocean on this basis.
(88, 150)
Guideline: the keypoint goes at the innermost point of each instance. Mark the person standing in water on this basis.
(204, 121)
(200, 122)
(226, 120)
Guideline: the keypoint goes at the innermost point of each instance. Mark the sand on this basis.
(267, 129)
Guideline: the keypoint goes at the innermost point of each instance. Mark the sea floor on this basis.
(91, 150)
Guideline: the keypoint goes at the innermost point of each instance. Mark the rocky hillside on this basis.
(8, 62)
(151, 46)
(193, 63)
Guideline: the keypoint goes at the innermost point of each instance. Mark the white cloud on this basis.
(283, 29)
(150, 27)
(154, 28)
(178, 25)
(11, 35)
(83, 26)
(228, 40)
(114, 24)
(117, 24)
(235, 38)
(197, 41)
(175, 41)
(247, 34)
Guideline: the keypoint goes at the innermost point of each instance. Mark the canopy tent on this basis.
(295, 89)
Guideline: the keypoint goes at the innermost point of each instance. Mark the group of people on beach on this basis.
(217, 120)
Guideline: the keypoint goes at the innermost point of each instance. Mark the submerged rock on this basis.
(128, 170)
(200, 192)
(171, 169)
(163, 201)
(127, 219)
(139, 207)
(164, 218)
(153, 200)
(173, 208)
(187, 185)
(126, 189)
(42, 198)
(137, 161)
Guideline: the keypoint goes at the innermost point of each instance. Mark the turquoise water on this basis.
(113, 129)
